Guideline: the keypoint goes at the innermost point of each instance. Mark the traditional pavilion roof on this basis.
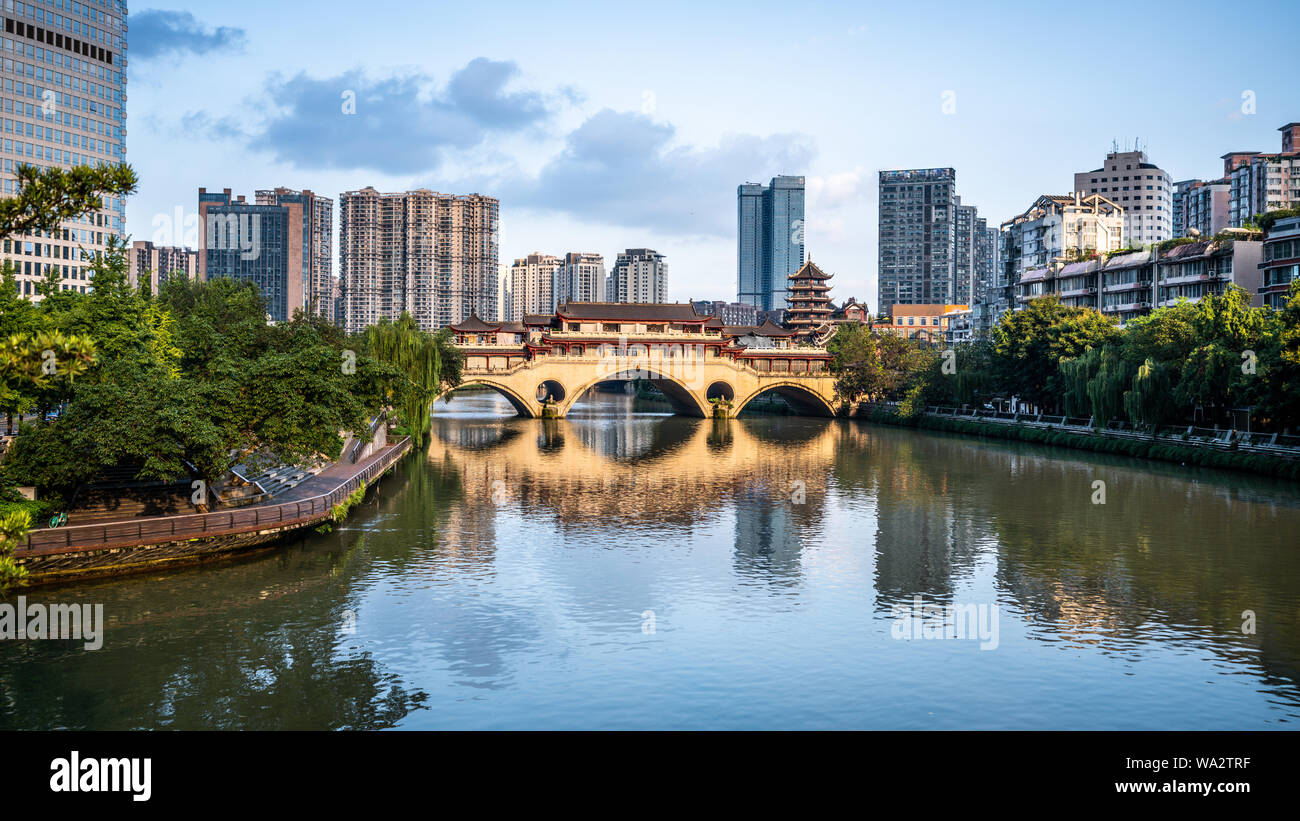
(842, 310)
(513, 328)
(538, 320)
(809, 271)
(770, 328)
(631, 311)
(715, 321)
(474, 325)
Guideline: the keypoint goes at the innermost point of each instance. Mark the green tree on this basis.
(426, 364)
(48, 197)
(1029, 344)
(1229, 333)
(855, 361)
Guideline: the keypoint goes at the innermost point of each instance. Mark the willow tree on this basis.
(1106, 388)
(428, 362)
(1076, 375)
(1148, 401)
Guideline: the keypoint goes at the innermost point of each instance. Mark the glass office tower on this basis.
(769, 240)
(63, 97)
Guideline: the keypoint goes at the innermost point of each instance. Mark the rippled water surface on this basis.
(622, 569)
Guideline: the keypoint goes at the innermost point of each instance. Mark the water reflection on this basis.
(503, 579)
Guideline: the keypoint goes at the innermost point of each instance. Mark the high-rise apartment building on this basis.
(431, 255)
(318, 251)
(638, 275)
(63, 95)
(1265, 182)
(155, 264)
(1042, 242)
(1178, 207)
(532, 285)
(582, 279)
(769, 240)
(933, 248)
(1142, 189)
(1205, 208)
(262, 243)
(916, 256)
(965, 281)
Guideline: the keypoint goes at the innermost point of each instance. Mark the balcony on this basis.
(1189, 279)
(1126, 286)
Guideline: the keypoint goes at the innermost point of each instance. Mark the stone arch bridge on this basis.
(689, 376)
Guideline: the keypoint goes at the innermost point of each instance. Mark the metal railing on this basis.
(154, 530)
(1277, 444)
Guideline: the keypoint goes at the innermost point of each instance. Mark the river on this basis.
(628, 569)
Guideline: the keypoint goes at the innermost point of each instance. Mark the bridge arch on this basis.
(801, 396)
(521, 403)
(683, 399)
(719, 389)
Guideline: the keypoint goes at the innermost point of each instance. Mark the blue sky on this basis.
(603, 128)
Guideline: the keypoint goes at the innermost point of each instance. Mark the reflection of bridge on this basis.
(669, 469)
(544, 364)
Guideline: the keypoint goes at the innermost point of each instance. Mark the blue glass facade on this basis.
(62, 104)
(769, 240)
(254, 243)
(749, 244)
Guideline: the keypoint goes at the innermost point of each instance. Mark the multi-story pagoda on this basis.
(809, 307)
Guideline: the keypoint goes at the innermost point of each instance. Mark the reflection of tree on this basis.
(1190, 558)
(264, 649)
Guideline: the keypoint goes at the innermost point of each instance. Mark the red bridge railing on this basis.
(154, 530)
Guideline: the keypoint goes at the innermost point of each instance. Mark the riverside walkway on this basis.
(306, 504)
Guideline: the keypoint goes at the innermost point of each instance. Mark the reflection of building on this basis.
(769, 537)
(653, 469)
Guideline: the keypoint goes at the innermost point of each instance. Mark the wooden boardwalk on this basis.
(308, 503)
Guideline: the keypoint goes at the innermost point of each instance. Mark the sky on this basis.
(602, 128)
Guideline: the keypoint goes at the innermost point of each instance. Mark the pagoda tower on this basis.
(809, 306)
